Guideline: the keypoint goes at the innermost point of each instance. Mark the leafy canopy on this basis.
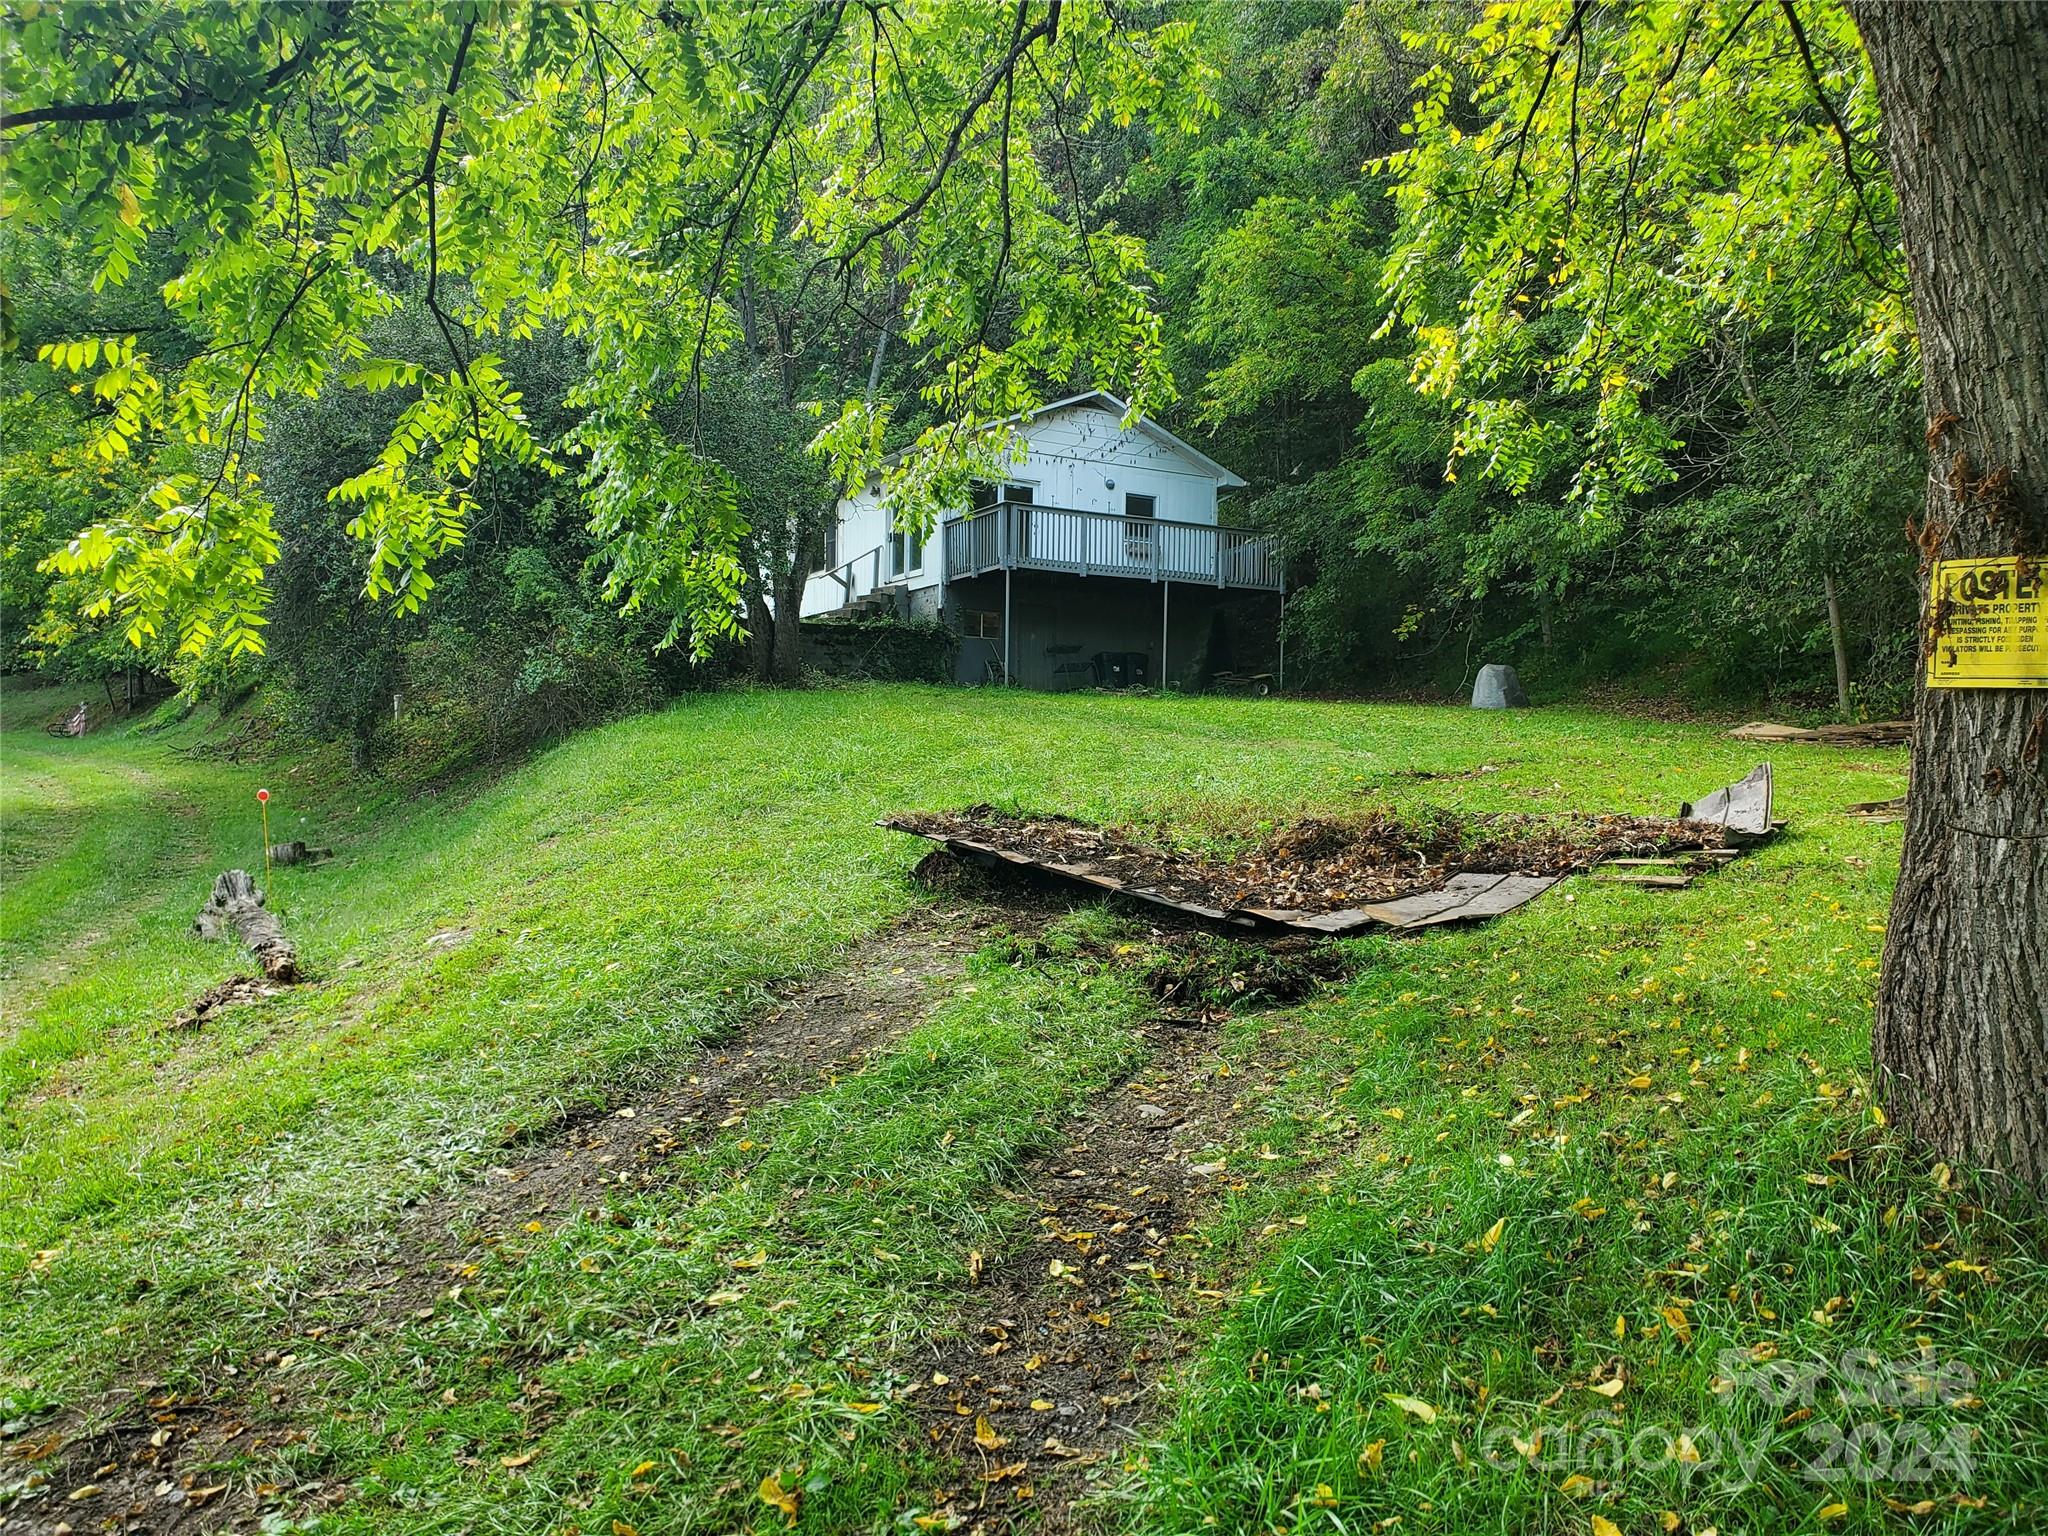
(1623, 190)
(612, 170)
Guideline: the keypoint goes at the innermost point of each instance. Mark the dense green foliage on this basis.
(1608, 385)
(620, 175)
(1568, 335)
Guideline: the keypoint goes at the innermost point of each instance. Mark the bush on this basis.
(881, 650)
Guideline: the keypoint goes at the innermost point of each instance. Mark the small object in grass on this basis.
(1497, 687)
(237, 904)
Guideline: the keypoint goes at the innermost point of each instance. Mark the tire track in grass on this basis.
(1045, 1380)
(163, 1461)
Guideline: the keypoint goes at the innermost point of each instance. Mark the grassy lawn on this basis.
(1585, 1179)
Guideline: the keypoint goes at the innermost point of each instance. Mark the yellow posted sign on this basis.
(1990, 624)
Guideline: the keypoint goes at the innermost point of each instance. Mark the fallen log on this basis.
(1870, 733)
(237, 905)
(296, 852)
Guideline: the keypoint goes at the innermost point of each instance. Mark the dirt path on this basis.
(1038, 1394)
(158, 1462)
(1032, 1399)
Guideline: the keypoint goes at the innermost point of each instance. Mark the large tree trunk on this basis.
(1962, 1009)
(789, 602)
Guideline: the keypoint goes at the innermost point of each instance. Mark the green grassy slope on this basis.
(1657, 1095)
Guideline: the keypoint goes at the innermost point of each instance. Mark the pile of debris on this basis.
(1326, 876)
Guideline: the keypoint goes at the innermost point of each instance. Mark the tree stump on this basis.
(237, 905)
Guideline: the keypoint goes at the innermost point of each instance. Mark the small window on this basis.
(828, 547)
(981, 624)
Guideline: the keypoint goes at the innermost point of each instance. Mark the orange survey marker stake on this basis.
(263, 800)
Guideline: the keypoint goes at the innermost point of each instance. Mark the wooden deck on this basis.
(1017, 536)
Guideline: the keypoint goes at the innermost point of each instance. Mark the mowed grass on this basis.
(1615, 1136)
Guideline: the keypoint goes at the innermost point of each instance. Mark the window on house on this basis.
(981, 495)
(906, 553)
(1139, 512)
(981, 624)
(828, 547)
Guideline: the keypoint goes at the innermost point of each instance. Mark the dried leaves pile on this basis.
(1319, 865)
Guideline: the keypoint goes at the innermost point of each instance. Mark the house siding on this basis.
(1071, 455)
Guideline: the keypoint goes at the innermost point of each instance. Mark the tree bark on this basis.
(1839, 638)
(1961, 1037)
(787, 661)
(237, 904)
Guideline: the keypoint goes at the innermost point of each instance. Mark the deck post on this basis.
(1165, 612)
(1006, 626)
(1280, 630)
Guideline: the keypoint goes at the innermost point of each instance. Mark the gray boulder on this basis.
(1498, 688)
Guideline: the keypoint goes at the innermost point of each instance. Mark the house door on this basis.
(981, 496)
(906, 553)
(1140, 528)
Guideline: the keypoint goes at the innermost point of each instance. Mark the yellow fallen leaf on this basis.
(865, 1407)
(985, 1434)
(1488, 1242)
(1620, 1326)
(753, 1261)
(1041, 1405)
(1602, 1526)
(723, 1298)
(1611, 1387)
(621, 1528)
(784, 1499)
(517, 1461)
(1325, 1497)
(1576, 1484)
(644, 1468)
(1369, 1458)
(1688, 1452)
(1833, 1511)
(1414, 1405)
(1679, 1324)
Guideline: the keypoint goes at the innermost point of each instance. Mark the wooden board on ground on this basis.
(1742, 810)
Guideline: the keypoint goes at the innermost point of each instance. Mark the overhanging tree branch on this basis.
(191, 100)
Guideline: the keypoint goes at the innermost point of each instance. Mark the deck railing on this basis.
(1019, 536)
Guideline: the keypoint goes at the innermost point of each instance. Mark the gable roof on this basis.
(1225, 479)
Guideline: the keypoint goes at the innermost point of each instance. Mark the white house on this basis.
(1100, 561)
